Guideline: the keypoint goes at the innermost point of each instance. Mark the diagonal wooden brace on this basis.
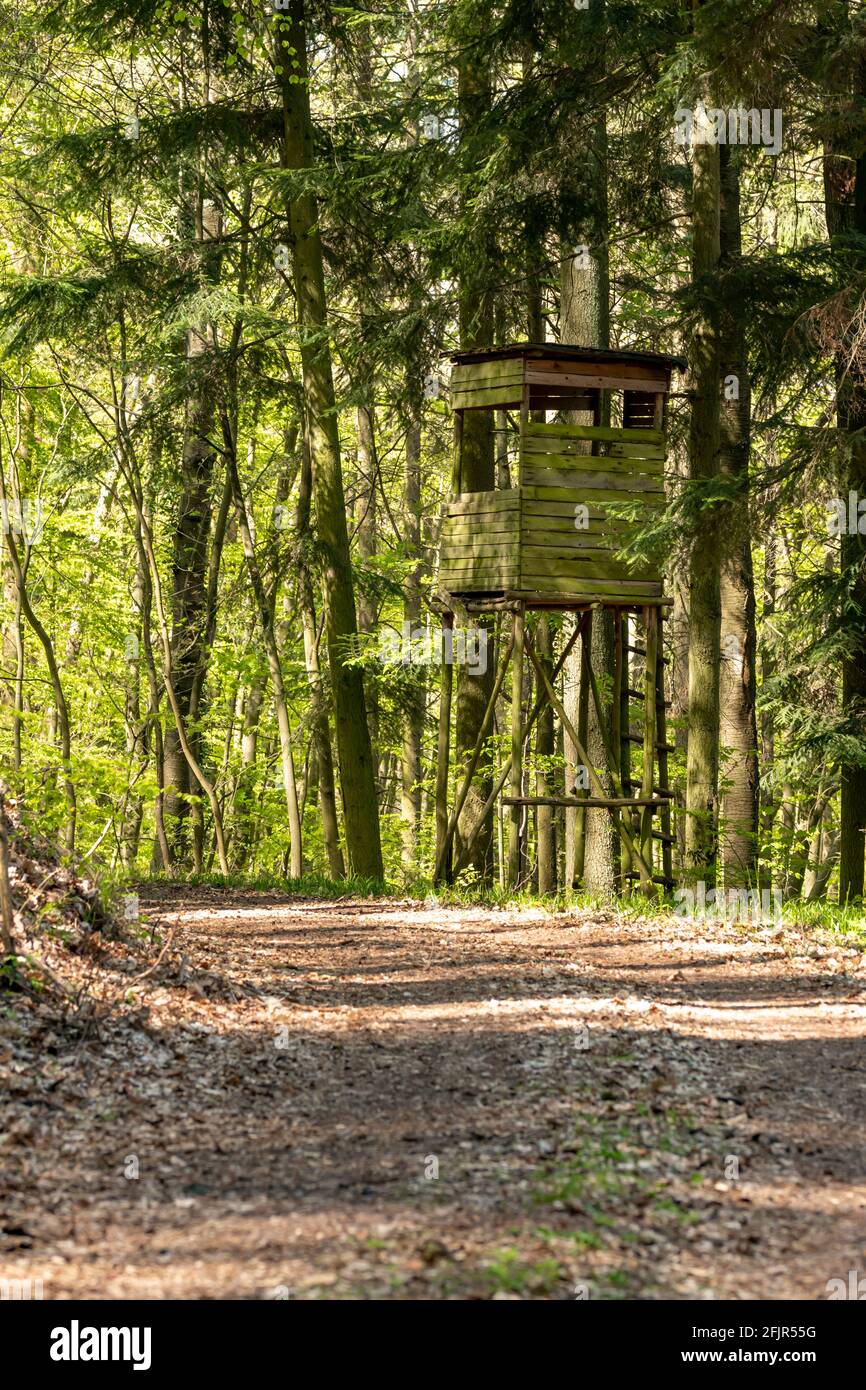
(473, 763)
(525, 731)
(594, 779)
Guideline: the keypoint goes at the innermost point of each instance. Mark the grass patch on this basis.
(847, 923)
(309, 886)
(506, 1272)
(606, 1167)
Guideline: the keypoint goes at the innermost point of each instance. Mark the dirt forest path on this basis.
(379, 1099)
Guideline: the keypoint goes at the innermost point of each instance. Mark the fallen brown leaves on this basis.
(378, 1100)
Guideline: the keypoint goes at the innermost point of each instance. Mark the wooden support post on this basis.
(619, 682)
(662, 728)
(625, 862)
(471, 765)
(650, 616)
(594, 779)
(582, 732)
(443, 848)
(518, 633)
(545, 820)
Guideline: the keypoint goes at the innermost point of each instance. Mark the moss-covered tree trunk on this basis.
(737, 679)
(318, 704)
(702, 768)
(413, 713)
(845, 200)
(585, 320)
(474, 94)
(366, 526)
(354, 753)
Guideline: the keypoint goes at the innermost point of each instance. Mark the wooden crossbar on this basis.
(601, 802)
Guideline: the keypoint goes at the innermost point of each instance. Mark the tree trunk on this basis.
(702, 768)
(585, 320)
(189, 593)
(19, 570)
(269, 641)
(365, 504)
(737, 682)
(7, 918)
(474, 94)
(601, 844)
(354, 752)
(244, 798)
(544, 748)
(135, 727)
(413, 717)
(845, 202)
(769, 800)
(318, 706)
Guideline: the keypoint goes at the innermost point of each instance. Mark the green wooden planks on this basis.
(595, 380)
(503, 547)
(499, 396)
(591, 463)
(540, 512)
(467, 375)
(603, 433)
(471, 523)
(629, 482)
(637, 451)
(472, 564)
(624, 589)
(481, 503)
(568, 541)
(456, 528)
(526, 538)
(487, 576)
(486, 384)
(480, 542)
(596, 565)
(599, 497)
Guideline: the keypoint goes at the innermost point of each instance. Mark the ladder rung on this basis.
(611, 802)
(657, 878)
(641, 651)
(659, 747)
(638, 695)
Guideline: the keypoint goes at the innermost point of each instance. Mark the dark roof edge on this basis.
(579, 354)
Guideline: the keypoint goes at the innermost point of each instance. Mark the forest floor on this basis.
(378, 1099)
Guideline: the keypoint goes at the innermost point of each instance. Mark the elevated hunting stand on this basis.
(549, 539)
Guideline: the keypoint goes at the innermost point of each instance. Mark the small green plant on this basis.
(8, 972)
(20, 972)
(507, 1272)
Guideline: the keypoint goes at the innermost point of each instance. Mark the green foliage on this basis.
(143, 298)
